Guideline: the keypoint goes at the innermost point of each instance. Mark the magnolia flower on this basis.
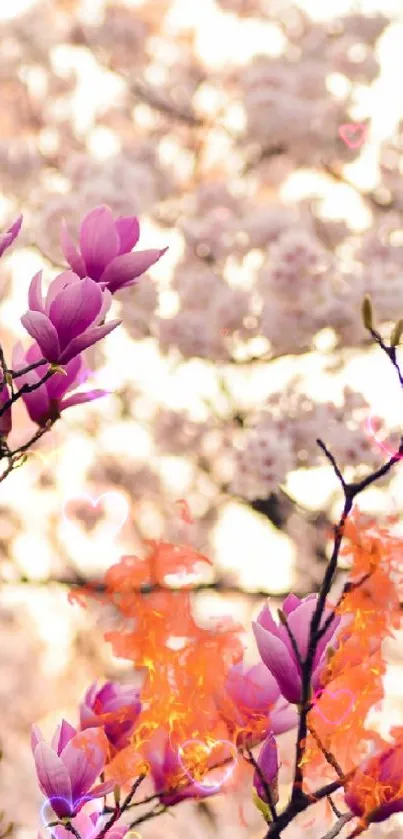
(48, 401)
(70, 318)
(277, 651)
(376, 789)
(115, 707)
(257, 705)
(168, 772)
(267, 762)
(88, 825)
(105, 250)
(68, 767)
(7, 238)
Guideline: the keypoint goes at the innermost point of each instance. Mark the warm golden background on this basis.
(148, 107)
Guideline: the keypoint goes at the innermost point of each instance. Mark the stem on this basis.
(16, 373)
(346, 817)
(119, 809)
(25, 389)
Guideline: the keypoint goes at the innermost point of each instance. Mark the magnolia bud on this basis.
(396, 333)
(366, 312)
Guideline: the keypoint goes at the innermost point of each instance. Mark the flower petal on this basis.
(99, 240)
(58, 385)
(52, 773)
(125, 268)
(276, 657)
(84, 758)
(35, 299)
(57, 285)
(89, 337)
(62, 736)
(44, 333)
(129, 231)
(71, 253)
(75, 309)
(81, 398)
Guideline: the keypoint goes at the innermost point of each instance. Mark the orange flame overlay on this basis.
(185, 665)
(357, 666)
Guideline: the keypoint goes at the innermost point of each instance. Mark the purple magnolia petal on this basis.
(129, 231)
(58, 285)
(299, 622)
(36, 737)
(106, 304)
(7, 238)
(276, 657)
(62, 736)
(35, 299)
(91, 336)
(75, 309)
(268, 764)
(290, 603)
(71, 253)
(102, 789)
(81, 398)
(283, 717)
(52, 773)
(84, 758)
(125, 268)
(37, 403)
(59, 384)
(99, 240)
(108, 691)
(44, 333)
(266, 620)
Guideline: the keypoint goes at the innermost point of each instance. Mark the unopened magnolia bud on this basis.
(397, 333)
(366, 312)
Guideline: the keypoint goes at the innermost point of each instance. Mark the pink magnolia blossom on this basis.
(256, 699)
(71, 317)
(7, 238)
(67, 768)
(167, 771)
(376, 790)
(48, 401)
(115, 707)
(105, 250)
(277, 651)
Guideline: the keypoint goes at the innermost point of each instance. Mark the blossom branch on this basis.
(335, 830)
(265, 785)
(120, 808)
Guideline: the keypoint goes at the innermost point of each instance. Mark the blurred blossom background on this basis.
(217, 123)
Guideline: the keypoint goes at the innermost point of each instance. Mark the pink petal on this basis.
(283, 717)
(99, 240)
(52, 774)
(58, 385)
(37, 402)
(106, 304)
(44, 333)
(90, 336)
(63, 734)
(290, 603)
(102, 789)
(75, 309)
(81, 398)
(277, 658)
(57, 285)
(125, 268)
(84, 758)
(266, 620)
(6, 239)
(71, 253)
(35, 300)
(36, 737)
(129, 231)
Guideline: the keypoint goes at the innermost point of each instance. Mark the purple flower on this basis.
(257, 704)
(276, 649)
(7, 238)
(268, 764)
(167, 770)
(70, 318)
(115, 707)
(375, 791)
(47, 402)
(105, 250)
(5, 419)
(67, 769)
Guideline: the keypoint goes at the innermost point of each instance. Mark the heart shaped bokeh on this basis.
(332, 694)
(352, 134)
(207, 750)
(114, 504)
